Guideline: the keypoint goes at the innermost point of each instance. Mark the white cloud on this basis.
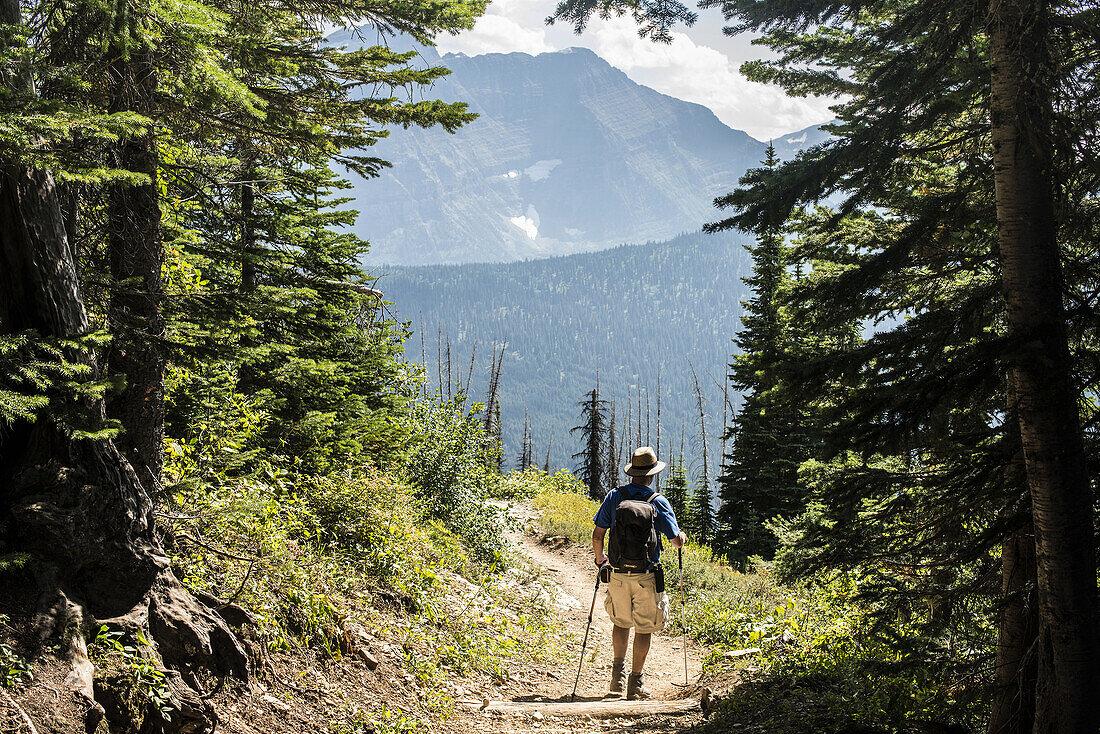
(687, 68)
(499, 31)
(703, 74)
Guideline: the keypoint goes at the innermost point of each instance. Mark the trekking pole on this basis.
(584, 644)
(680, 560)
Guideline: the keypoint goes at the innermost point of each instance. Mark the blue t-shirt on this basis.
(666, 518)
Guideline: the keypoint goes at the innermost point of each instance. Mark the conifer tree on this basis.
(759, 479)
(592, 430)
(197, 141)
(917, 248)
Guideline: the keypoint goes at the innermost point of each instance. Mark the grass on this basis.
(822, 667)
(313, 556)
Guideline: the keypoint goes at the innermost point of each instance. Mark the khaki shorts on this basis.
(632, 601)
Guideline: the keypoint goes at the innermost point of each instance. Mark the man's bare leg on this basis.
(620, 636)
(641, 649)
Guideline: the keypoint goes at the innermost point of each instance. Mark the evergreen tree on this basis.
(269, 235)
(759, 478)
(920, 467)
(592, 429)
(199, 222)
(677, 490)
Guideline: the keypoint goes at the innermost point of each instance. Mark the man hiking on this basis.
(635, 514)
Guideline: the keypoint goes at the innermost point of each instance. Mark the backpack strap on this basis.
(652, 497)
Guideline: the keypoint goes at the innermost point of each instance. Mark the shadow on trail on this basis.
(539, 698)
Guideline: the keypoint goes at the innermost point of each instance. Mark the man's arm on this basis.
(667, 523)
(598, 534)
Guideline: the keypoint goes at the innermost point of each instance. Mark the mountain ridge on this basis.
(568, 155)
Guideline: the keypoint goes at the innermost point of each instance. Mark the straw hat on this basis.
(644, 463)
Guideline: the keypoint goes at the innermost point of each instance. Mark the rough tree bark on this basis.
(75, 506)
(1069, 663)
(248, 231)
(1013, 709)
(137, 256)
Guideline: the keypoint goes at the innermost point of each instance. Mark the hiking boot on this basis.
(618, 675)
(635, 690)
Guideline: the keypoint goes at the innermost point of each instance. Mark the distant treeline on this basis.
(630, 314)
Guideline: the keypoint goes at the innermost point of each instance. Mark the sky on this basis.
(700, 65)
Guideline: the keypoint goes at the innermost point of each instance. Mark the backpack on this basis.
(632, 543)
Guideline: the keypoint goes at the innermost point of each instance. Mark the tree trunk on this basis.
(1069, 672)
(1013, 709)
(136, 256)
(76, 507)
(248, 232)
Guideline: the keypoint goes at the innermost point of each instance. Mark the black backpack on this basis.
(632, 543)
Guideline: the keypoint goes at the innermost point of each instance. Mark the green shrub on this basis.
(14, 669)
(449, 468)
(566, 510)
(528, 484)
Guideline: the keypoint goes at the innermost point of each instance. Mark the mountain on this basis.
(630, 313)
(567, 155)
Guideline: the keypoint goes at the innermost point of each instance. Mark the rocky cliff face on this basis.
(567, 155)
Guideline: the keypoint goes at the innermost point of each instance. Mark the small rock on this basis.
(370, 660)
(537, 716)
(281, 705)
(741, 653)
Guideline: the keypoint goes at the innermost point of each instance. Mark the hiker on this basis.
(631, 568)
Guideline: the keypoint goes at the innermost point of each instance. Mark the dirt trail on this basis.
(570, 570)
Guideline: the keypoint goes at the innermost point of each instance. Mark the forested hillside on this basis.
(630, 313)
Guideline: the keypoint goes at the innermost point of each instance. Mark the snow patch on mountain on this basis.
(541, 169)
(528, 223)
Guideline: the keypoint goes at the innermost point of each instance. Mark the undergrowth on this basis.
(820, 662)
(413, 554)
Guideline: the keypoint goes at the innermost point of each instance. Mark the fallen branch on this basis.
(219, 551)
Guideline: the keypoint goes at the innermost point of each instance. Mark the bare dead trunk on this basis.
(1068, 673)
(657, 482)
(137, 256)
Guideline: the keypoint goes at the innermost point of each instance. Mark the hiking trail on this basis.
(543, 704)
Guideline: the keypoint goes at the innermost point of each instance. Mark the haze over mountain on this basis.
(567, 155)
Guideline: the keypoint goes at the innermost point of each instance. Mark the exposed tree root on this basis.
(98, 562)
